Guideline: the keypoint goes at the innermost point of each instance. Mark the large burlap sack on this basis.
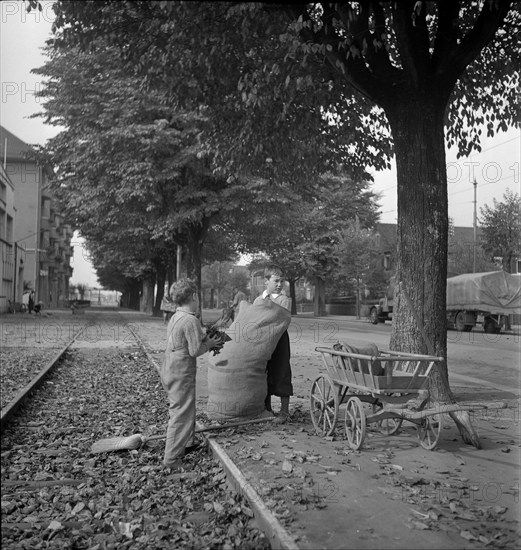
(237, 380)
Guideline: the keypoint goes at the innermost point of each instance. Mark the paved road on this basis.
(474, 358)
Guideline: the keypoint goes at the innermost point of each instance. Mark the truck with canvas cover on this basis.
(483, 298)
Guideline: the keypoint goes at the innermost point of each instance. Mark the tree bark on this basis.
(293, 296)
(419, 321)
(319, 299)
(196, 236)
(161, 280)
(147, 295)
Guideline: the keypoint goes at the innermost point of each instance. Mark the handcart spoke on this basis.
(323, 405)
(388, 426)
(429, 431)
(355, 423)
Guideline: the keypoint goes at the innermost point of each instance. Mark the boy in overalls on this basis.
(186, 341)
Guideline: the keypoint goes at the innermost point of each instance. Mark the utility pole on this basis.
(475, 226)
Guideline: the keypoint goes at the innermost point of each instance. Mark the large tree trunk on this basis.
(130, 298)
(161, 280)
(147, 296)
(196, 236)
(293, 296)
(419, 323)
(319, 299)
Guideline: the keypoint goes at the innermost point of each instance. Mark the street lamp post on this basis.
(475, 226)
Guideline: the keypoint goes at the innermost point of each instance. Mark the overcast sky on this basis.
(496, 168)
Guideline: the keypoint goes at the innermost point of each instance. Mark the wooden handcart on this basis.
(393, 383)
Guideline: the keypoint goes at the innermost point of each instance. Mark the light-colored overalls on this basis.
(178, 373)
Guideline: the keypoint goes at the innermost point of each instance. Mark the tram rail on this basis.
(9, 410)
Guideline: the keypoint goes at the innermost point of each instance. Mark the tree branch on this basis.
(488, 22)
(413, 41)
(353, 68)
(447, 33)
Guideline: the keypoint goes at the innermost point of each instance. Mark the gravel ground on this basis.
(18, 366)
(56, 494)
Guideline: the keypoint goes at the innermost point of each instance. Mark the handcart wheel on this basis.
(429, 431)
(387, 426)
(355, 423)
(324, 405)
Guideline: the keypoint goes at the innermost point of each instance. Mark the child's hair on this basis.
(181, 291)
(273, 269)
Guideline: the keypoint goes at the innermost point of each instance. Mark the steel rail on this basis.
(12, 407)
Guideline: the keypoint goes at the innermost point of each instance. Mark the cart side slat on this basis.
(403, 372)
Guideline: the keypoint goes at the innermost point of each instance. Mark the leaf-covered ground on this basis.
(18, 366)
(56, 494)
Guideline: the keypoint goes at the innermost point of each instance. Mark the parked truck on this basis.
(383, 311)
(485, 299)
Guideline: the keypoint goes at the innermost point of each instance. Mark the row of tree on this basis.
(137, 173)
(268, 102)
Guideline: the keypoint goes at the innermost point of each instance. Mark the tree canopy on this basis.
(136, 171)
(501, 229)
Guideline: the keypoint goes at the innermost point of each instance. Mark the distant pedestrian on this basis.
(238, 297)
(25, 301)
(30, 302)
(167, 307)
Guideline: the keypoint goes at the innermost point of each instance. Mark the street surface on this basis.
(476, 358)
(392, 493)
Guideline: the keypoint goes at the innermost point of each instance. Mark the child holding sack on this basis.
(186, 341)
(278, 368)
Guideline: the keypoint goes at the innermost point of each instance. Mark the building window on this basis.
(9, 228)
(2, 223)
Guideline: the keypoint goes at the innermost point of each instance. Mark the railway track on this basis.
(55, 493)
(18, 399)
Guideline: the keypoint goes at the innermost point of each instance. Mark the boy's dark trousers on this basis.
(279, 371)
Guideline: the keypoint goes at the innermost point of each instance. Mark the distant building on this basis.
(11, 268)
(40, 239)
(461, 239)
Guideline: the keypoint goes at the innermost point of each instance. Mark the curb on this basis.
(279, 538)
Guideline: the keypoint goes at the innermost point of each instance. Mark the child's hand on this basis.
(214, 341)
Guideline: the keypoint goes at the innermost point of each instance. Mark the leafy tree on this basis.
(82, 288)
(216, 278)
(284, 136)
(200, 163)
(299, 232)
(501, 229)
(461, 259)
(126, 166)
(356, 250)
(425, 65)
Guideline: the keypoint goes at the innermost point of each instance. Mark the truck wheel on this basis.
(459, 321)
(374, 316)
(491, 327)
